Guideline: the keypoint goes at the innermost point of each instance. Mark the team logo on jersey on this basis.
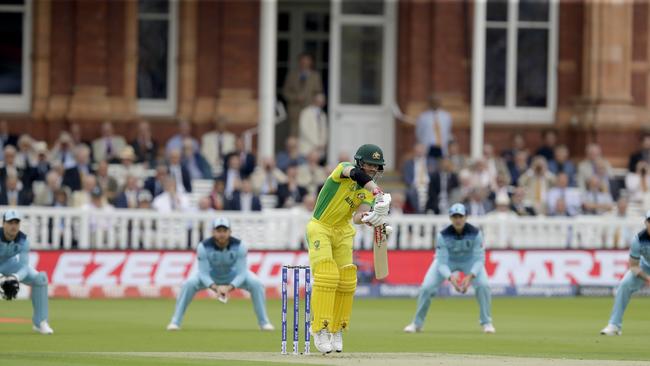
(317, 244)
(361, 196)
(376, 155)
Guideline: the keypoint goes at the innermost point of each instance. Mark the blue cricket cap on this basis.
(221, 222)
(457, 209)
(11, 215)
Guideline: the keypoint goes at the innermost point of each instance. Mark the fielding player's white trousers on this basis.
(251, 284)
(38, 282)
(434, 279)
(629, 285)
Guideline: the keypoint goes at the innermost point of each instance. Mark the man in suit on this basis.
(415, 174)
(12, 195)
(73, 176)
(155, 184)
(244, 199)
(216, 144)
(433, 128)
(6, 138)
(291, 193)
(144, 147)
(10, 167)
(109, 146)
(299, 89)
(179, 172)
(46, 196)
(246, 159)
(443, 186)
(643, 154)
(128, 197)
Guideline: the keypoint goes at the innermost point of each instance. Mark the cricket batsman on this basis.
(348, 193)
(634, 279)
(459, 247)
(15, 268)
(222, 268)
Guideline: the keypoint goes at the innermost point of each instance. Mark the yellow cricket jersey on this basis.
(339, 198)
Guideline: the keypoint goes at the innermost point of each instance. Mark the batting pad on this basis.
(344, 297)
(326, 279)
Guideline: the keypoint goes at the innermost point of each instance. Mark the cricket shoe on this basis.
(173, 327)
(267, 327)
(412, 328)
(489, 328)
(611, 330)
(322, 341)
(43, 328)
(337, 341)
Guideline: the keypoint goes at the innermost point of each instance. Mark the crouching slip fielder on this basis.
(634, 279)
(14, 266)
(222, 268)
(459, 247)
(347, 193)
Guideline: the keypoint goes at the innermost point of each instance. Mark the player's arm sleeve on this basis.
(241, 268)
(204, 266)
(23, 259)
(635, 248)
(479, 255)
(340, 172)
(442, 256)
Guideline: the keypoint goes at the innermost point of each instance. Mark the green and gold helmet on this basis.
(370, 154)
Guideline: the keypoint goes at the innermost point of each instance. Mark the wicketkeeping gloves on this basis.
(10, 287)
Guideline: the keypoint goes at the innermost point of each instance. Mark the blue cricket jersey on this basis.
(463, 247)
(640, 248)
(16, 250)
(226, 265)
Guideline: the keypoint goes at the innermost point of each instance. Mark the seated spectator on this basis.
(443, 188)
(498, 235)
(97, 203)
(144, 200)
(155, 184)
(109, 146)
(561, 163)
(477, 202)
(547, 150)
(643, 154)
(518, 144)
(195, 163)
(217, 195)
(6, 138)
(267, 177)
(176, 141)
(128, 197)
(42, 165)
(458, 160)
(46, 195)
(495, 165)
(570, 196)
(244, 199)
(596, 199)
(171, 200)
(126, 167)
(312, 175)
(9, 167)
(82, 196)
(502, 207)
(602, 172)
(559, 208)
(415, 174)
(537, 181)
(179, 172)
(13, 194)
(291, 193)
(232, 176)
(25, 156)
(518, 166)
(144, 146)
(64, 151)
(205, 205)
(587, 167)
(218, 143)
(519, 205)
(246, 159)
(479, 174)
(61, 197)
(108, 184)
(75, 135)
(290, 155)
(623, 235)
(637, 185)
(73, 176)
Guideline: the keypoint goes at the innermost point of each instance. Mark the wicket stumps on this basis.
(296, 307)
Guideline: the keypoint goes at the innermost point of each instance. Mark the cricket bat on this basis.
(380, 252)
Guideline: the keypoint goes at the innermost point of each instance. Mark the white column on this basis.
(478, 79)
(266, 94)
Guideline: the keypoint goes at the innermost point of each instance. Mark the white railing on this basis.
(68, 228)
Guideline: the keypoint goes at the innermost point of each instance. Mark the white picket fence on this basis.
(67, 228)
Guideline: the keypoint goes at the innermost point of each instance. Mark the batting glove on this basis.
(382, 206)
(372, 218)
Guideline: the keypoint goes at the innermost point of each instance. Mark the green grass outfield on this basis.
(526, 327)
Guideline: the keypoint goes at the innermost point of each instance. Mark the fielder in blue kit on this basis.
(459, 247)
(635, 278)
(222, 268)
(14, 265)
